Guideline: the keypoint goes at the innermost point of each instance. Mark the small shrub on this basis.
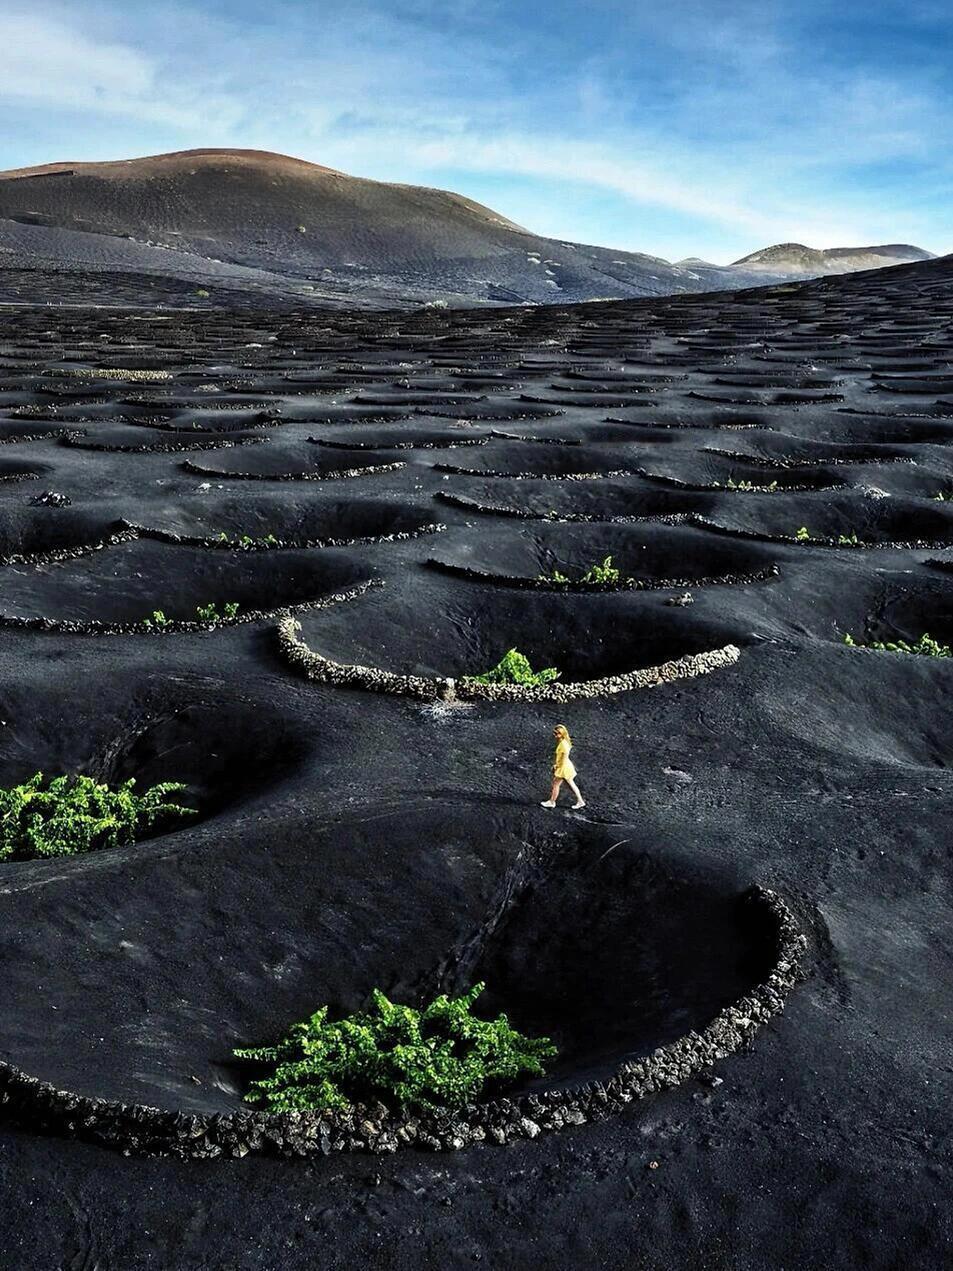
(157, 621)
(514, 668)
(731, 484)
(439, 1057)
(203, 294)
(848, 540)
(926, 646)
(246, 540)
(210, 613)
(943, 496)
(605, 573)
(69, 815)
(803, 535)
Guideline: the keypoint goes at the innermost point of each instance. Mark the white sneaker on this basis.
(580, 804)
(548, 803)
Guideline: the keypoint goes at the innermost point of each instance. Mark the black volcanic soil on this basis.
(346, 839)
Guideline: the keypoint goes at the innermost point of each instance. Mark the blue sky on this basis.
(692, 127)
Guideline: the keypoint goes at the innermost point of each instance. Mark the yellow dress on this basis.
(563, 767)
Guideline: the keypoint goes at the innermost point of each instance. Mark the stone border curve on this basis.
(137, 1128)
(314, 666)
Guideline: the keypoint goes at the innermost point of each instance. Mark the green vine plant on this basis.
(604, 573)
(210, 613)
(157, 621)
(440, 1057)
(207, 614)
(926, 646)
(246, 541)
(804, 535)
(514, 668)
(750, 486)
(69, 815)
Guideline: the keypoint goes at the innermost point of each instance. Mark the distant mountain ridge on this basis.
(796, 258)
(301, 232)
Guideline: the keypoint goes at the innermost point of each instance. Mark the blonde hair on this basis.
(563, 731)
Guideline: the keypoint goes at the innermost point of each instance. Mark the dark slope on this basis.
(304, 225)
(297, 232)
(348, 838)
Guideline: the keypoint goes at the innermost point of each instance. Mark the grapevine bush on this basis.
(926, 646)
(604, 573)
(750, 486)
(208, 614)
(68, 815)
(438, 1057)
(514, 668)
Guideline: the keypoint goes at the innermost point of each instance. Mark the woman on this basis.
(563, 769)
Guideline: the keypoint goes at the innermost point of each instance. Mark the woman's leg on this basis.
(580, 801)
(553, 794)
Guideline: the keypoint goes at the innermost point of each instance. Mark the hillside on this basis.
(272, 226)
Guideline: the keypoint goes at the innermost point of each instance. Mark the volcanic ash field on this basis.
(740, 946)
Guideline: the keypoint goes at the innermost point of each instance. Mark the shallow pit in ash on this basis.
(26, 530)
(601, 945)
(276, 460)
(608, 500)
(714, 470)
(611, 952)
(125, 583)
(650, 554)
(291, 517)
(872, 518)
(226, 748)
(514, 458)
(441, 628)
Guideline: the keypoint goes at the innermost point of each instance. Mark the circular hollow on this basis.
(121, 587)
(611, 500)
(903, 607)
(875, 521)
(293, 519)
(779, 450)
(663, 971)
(646, 556)
(288, 463)
(548, 463)
(710, 471)
(25, 429)
(16, 470)
(225, 749)
(367, 437)
(567, 961)
(900, 706)
(854, 427)
(397, 643)
(123, 439)
(28, 532)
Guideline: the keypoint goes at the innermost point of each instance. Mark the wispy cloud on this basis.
(741, 123)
